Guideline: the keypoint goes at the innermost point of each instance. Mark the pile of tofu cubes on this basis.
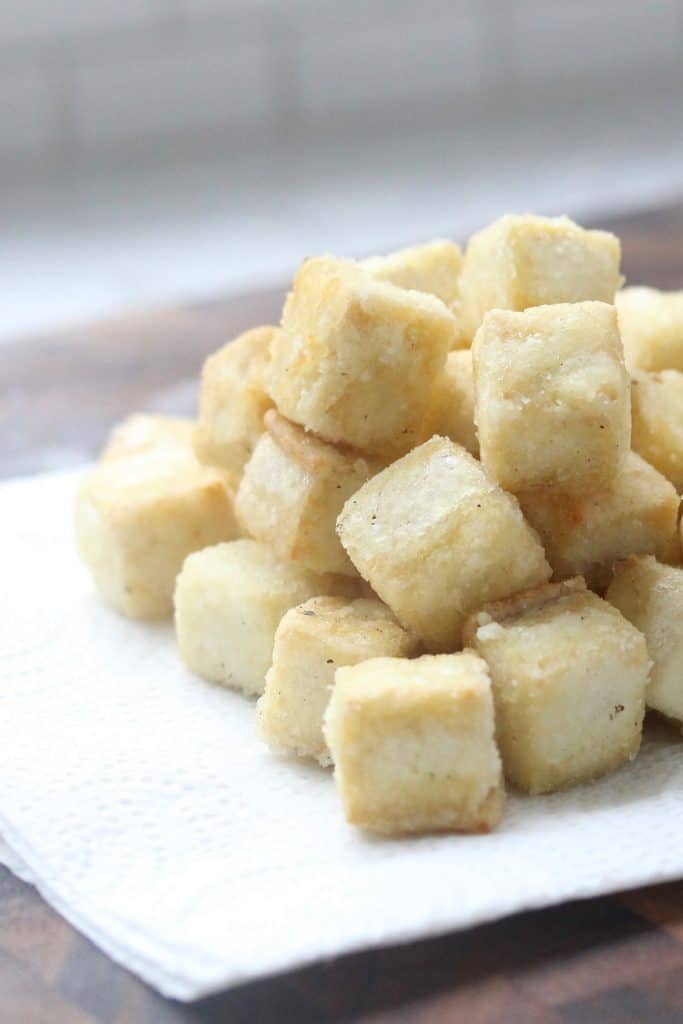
(431, 520)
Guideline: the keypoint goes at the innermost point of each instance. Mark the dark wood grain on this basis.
(616, 960)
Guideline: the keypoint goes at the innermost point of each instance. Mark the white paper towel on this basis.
(140, 802)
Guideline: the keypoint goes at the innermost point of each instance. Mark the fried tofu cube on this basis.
(312, 641)
(144, 432)
(229, 600)
(657, 434)
(651, 325)
(553, 406)
(451, 410)
(137, 519)
(585, 535)
(650, 595)
(522, 261)
(233, 399)
(413, 744)
(433, 268)
(569, 675)
(293, 488)
(436, 538)
(356, 359)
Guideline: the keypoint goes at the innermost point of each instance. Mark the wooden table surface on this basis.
(613, 960)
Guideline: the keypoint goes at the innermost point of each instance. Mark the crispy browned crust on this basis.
(527, 600)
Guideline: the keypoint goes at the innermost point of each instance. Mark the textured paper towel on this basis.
(141, 803)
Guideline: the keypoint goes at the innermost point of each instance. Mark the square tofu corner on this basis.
(650, 595)
(585, 534)
(569, 674)
(435, 538)
(524, 260)
(229, 600)
(233, 399)
(292, 490)
(357, 358)
(413, 744)
(433, 267)
(137, 517)
(312, 641)
(651, 323)
(553, 399)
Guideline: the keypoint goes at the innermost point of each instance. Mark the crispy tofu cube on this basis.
(451, 410)
(436, 538)
(586, 534)
(651, 325)
(312, 641)
(137, 519)
(144, 432)
(553, 404)
(569, 676)
(433, 268)
(413, 744)
(522, 261)
(357, 358)
(229, 600)
(650, 595)
(657, 435)
(293, 488)
(233, 400)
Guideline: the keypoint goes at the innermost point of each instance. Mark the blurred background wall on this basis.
(154, 149)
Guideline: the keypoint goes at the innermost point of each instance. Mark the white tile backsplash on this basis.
(28, 121)
(26, 21)
(191, 88)
(594, 42)
(91, 77)
(362, 67)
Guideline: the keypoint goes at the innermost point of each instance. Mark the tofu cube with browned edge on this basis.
(229, 600)
(651, 325)
(451, 410)
(436, 538)
(521, 261)
(650, 595)
(145, 432)
(413, 744)
(137, 518)
(657, 434)
(433, 268)
(311, 642)
(292, 490)
(233, 399)
(553, 406)
(357, 358)
(569, 675)
(585, 534)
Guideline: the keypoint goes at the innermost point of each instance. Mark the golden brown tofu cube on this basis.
(137, 519)
(436, 538)
(651, 325)
(569, 676)
(522, 261)
(293, 488)
(233, 400)
(657, 435)
(451, 410)
(357, 358)
(586, 534)
(229, 600)
(413, 744)
(311, 642)
(144, 432)
(650, 595)
(553, 404)
(433, 268)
